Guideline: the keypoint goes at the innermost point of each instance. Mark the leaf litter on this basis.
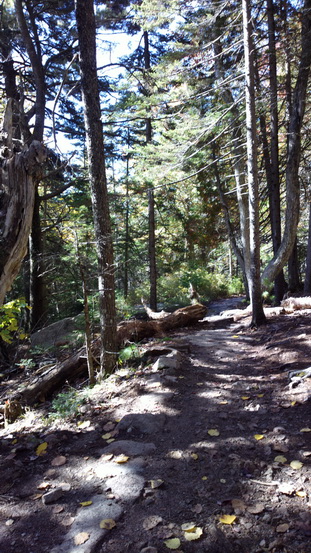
(234, 484)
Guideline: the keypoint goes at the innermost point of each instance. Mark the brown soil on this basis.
(233, 382)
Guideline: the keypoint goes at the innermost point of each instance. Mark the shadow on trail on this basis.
(216, 426)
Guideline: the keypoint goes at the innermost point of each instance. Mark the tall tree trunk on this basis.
(238, 253)
(258, 316)
(294, 284)
(294, 151)
(85, 18)
(307, 283)
(238, 154)
(127, 232)
(151, 211)
(274, 174)
(38, 298)
(152, 252)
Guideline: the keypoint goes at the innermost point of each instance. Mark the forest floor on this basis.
(211, 456)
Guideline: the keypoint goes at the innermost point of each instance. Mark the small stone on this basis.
(52, 496)
(9, 522)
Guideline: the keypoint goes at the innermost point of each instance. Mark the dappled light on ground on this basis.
(212, 455)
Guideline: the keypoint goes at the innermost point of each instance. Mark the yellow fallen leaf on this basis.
(301, 493)
(296, 464)
(173, 543)
(43, 485)
(121, 459)
(59, 461)
(280, 459)
(194, 456)
(194, 534)
(200, 383)
(224, 402)
(293, 403)
(155, 483)
(260, 395)
(258, 437)
(245, 397)
(213, 432)
(14, 441)
(235, 336)
(107, 523)
(106, 436)
(305, 430)
(204, 478)
(106, 457)
(41, 449)
(227, 519)
(151, 522)
(58, 509)
(36, 496)
(86, 503)
(188, 526)
(223, 480)
(80, 538)
(84, 424)
(67, 521)
(111, 440)
(282, 528)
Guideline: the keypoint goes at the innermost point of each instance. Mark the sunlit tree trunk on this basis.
(254, 284)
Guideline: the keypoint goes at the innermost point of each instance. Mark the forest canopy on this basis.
(203, 108)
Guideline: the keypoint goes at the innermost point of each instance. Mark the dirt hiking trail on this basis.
(207, 452)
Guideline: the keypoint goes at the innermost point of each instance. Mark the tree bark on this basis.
(151, 211)
(258, 316)
(307, 282)
(238, 155)
(19, 175)
(273, 173)
(37, 296)
(85, 18)
(294, 152)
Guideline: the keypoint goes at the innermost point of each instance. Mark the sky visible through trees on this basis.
(174, 122)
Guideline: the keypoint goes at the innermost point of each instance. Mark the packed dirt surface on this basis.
(209, 454)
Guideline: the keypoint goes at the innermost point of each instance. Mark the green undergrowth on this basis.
(173, 289)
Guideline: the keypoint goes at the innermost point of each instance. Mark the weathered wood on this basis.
(292, 304)
(46, 383)
(19, 175)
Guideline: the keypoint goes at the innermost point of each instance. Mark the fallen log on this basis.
(292, 304)
(45, 383)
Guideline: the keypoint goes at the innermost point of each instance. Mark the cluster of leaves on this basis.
(67, 404)
(10, 315)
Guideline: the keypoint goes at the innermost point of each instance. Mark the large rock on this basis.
(53, 333)
(142, 423)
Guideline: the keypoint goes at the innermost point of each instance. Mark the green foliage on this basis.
(130, 352)
(10, 314)
(27, 363)
(67, 404)
(174, 288)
